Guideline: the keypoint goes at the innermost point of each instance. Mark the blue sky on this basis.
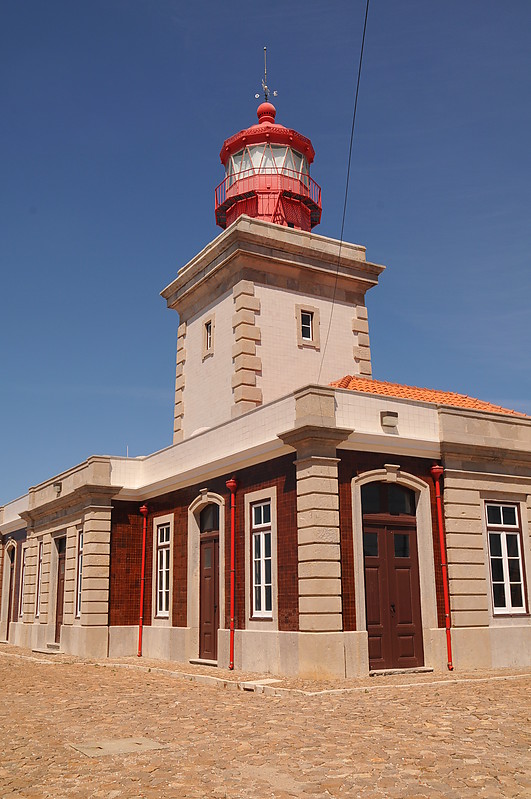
(113, 116)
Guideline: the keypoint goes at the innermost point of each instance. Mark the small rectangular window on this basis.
(261, 557)
(39, 578)
(208, 336)
(505, 556)
(163, 571)
(307, 325)
(307, 320)
(79, 580)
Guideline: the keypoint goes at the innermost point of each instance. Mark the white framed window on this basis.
(162, 580)
(208, 336)
(22, 581)
(163, 570)
(504, 536)
(79, 576)
(39, 580)
(307, 325)
(262, 572)
(307, 319)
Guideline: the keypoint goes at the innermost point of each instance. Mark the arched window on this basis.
(391, 499)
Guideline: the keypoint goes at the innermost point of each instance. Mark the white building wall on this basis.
(286, 366)
(207, 394)
(362, 413)
(254, 432)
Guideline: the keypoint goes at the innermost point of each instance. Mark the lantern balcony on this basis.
(251, 183)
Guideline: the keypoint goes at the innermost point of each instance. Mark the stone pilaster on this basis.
(319, 555)
(46, 600)
(247, 364)
(179, 384)
(96, 565)
(362, 348)
(315, 438)
(70, 575)
(30, 572)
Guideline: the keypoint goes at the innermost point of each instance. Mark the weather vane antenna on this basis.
(265, 87)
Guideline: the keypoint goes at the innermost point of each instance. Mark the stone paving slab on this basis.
(116, 746)
(458, 737)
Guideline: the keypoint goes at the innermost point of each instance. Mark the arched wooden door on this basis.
(392, 585)
(209, 582)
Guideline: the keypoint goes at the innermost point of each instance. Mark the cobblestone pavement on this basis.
(423, 735)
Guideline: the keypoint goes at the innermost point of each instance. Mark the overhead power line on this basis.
(346, 189)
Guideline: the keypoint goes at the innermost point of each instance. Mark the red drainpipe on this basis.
(144, 512)
(232, 485)
(436, 473)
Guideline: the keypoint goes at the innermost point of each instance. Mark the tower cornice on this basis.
(271, 250)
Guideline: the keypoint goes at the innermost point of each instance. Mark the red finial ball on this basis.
(266, 113)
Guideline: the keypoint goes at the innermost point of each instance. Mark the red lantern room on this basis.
(267, 175)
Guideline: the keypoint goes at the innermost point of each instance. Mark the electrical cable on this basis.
(346, 191)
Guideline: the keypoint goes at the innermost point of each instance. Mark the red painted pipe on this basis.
(436, 473)
(232, 485)
(144, 512)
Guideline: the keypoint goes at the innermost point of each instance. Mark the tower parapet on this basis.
(267, 175)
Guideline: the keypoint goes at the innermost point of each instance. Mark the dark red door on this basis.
(392, 594)
(209, 598)
(11, 589)
(61, 553)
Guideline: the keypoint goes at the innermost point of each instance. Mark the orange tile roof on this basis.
(397, 390)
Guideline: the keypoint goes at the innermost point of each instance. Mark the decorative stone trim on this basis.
(362, 349)
(247, 335)
(204, 498)
(179, 384)
(392, 473)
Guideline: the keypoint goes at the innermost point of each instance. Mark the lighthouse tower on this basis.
(268, 306)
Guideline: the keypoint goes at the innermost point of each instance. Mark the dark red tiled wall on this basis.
(126, 546)
(126, 560)
(352, 464)
(280, 473)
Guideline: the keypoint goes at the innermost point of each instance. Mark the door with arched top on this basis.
(392, 584)
(209, 582)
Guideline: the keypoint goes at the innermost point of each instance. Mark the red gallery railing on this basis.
(262, 181)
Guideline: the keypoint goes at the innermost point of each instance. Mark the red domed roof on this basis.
(267, 130)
